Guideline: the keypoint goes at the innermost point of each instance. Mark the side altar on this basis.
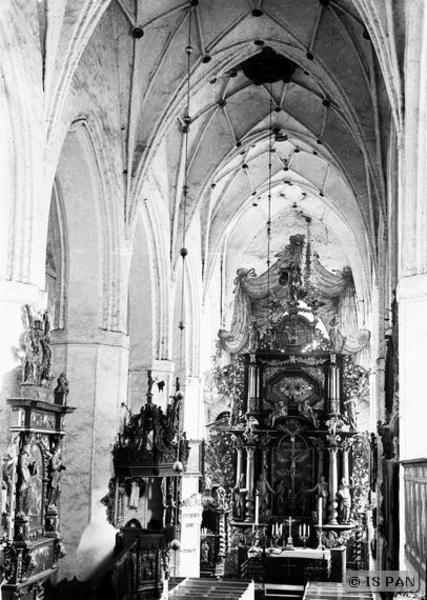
(32, 470)
(298, 466)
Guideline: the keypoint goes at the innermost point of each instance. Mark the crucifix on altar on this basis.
(289, 541)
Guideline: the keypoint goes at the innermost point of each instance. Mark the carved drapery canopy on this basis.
(261, 301)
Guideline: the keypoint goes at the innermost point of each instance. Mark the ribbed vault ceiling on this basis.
(325, 124)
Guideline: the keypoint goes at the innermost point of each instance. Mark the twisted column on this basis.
(333, 486)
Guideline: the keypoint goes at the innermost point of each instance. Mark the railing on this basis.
(415, 481)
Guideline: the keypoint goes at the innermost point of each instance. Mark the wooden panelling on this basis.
(415, 482)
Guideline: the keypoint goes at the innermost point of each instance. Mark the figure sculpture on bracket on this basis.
(264, 490)
(335, 336)
(55, 473)
(61, 390)
(344, 498)
(321, 488)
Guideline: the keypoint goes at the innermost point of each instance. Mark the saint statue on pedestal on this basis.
(56, 468)
(263, 489)
(321, 488)
(344, 499)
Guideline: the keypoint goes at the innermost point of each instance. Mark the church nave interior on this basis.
(213, 294)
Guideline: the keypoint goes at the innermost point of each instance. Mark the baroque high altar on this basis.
(296, 465)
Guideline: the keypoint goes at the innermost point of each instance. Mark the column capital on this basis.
(102, 338)
(347, 444)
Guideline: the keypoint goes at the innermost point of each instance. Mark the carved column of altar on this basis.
(239, 465)
(250, 472)
(334, 386)
(253, 385)
(345, 449)
(333, 485)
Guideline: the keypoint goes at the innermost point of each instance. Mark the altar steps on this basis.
(332, 591)
(278, 591)
(212, 589)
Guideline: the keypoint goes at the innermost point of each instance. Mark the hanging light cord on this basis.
(186, 130)
(308, 260)
(184, 251)
(270, 152)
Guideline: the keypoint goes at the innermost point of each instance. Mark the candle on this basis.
(256, 509)
(300, 531)
(320, 508)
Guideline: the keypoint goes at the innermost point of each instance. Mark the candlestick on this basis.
(304, 533)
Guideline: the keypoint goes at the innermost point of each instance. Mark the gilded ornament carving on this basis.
(152, 436)
(42, 420)
(10, 562)
(356, 385)
(361, 469)
(335, 538)
(220, 458)
(315, 373)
